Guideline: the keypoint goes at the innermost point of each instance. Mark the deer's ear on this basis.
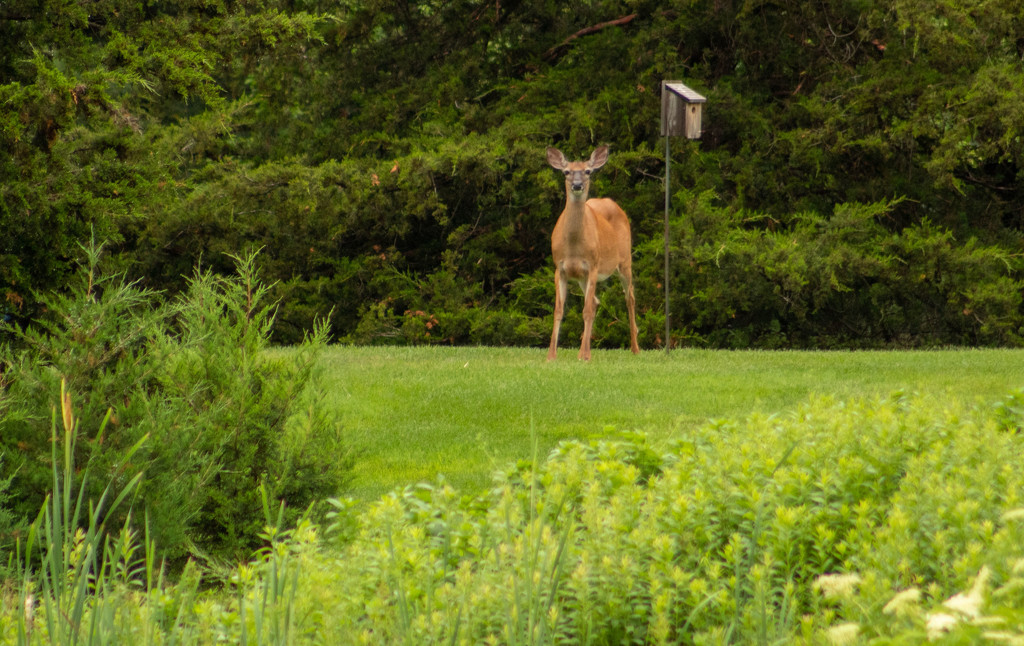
(557, 159)
(598, 158)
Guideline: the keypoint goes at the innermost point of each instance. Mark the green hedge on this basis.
(856, 183)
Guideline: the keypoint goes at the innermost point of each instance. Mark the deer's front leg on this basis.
(589, 311)
(561, 286)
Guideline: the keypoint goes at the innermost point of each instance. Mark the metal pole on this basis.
(668, 323)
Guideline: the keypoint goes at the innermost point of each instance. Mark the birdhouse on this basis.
(680, 110)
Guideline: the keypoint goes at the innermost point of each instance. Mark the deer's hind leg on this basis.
(626, 275)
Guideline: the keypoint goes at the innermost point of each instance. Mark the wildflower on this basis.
(1013, 514)
(837, 586)
(969, 604)
(245, 573)
(1006, 637)
(903, 602)
(938, 624)
(842, 634)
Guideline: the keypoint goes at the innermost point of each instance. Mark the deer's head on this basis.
(577, 174)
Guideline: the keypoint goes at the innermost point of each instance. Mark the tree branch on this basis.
(588, 30)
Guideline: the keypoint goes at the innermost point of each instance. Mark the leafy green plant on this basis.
(260, 416)
(94, 338)
(77, 558)
(750, 530)
(10, 524)
(796, 527)
(219, 412)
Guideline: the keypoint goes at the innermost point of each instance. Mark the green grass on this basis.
(413, 414)
(740, 537)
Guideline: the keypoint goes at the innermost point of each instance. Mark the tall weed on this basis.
(77, 558)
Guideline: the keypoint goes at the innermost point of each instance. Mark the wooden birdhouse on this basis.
(680, 110)
(680, 117)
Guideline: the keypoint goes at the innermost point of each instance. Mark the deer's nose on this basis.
(577, 186)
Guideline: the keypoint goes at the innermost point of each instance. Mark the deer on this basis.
(591, 241)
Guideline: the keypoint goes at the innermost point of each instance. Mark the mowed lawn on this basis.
(414, 414)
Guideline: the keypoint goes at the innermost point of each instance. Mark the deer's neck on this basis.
(574, 216)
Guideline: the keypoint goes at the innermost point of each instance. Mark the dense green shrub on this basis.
(257, 414)
(896, 520)
(185, 392)
(790, 528)
(94, 339)
(9, 523)
(838, 281)
(380, 150)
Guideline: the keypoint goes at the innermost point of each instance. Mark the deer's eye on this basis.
(586, 172)
(566, 173)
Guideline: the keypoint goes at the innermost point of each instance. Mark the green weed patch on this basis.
(738, 533)
(584, 503)
(868, 520)
(413, 414)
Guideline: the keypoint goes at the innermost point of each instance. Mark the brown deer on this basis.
(591, 241)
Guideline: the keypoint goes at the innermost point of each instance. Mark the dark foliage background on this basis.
(860, 179)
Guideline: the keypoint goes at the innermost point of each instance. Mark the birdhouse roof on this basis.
(688, 95)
